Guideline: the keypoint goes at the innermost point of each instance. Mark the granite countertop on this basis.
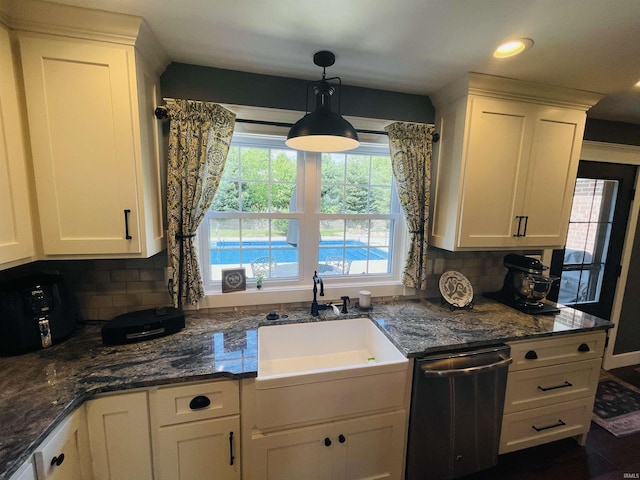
(38, 389)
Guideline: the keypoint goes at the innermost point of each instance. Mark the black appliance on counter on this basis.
(525, 287)
(143, 325)
(36, 311)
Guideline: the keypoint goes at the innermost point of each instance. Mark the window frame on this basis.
(298, 289)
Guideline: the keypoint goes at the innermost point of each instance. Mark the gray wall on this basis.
(228, 86)
(612, 132)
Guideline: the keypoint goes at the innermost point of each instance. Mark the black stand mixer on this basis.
(524, 286)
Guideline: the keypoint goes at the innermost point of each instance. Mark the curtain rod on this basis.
(161, 112)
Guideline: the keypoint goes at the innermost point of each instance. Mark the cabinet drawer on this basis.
(197, 402)
(556, 350)
(542, 425)
(538, 387)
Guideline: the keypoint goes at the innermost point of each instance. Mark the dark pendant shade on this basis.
(323, 130)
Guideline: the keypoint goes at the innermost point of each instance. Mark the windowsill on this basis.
(299, 294)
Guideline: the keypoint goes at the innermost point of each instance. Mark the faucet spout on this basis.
(317, 280)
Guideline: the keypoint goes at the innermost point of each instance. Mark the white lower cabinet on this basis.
(119, 436)
(64, 454)
(188, 431)
(551, 389)
(370, 447)
(25, 472)
(196, 431)
(208, 449)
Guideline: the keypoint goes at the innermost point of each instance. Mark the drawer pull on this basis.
(199, 402)
(57, 461)
(559, 424)
(531, 355)
(564, 385)
(584, 348)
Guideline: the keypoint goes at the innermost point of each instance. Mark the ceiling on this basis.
(413, 46)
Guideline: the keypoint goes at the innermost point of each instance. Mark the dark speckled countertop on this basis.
(38, 389)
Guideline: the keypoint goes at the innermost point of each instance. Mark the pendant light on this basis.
(323, 130)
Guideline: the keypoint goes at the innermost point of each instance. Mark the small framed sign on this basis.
(234, 280)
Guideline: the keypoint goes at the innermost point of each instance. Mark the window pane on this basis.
(282, 197)
(381, 173)
(380, 200)
(332, 199)
(361, 246)
(254, 163)
(227, 197)
(255, 197)
(356, 200)
(358, 169)
(333, 165)
(257, 180)
(283, 165)
(259, 245)
(587, 240)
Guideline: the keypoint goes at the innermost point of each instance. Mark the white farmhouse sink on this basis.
(310, 371)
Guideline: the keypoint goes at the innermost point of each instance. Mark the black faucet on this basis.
(345, 302)
(315, 307)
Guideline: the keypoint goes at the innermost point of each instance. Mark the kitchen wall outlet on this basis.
(168, 274)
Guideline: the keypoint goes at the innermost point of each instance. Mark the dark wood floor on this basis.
(604, 457)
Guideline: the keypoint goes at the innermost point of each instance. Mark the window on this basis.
(283, 214)
(587, 240)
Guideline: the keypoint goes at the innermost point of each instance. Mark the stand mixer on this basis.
(524, 285)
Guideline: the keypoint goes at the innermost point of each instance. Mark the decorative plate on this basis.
(456, 289)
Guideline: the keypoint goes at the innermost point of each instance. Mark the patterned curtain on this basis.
(199, 138)
(410, 145)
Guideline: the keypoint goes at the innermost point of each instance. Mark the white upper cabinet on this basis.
(16, 238)
(505, 167)
(94, 139)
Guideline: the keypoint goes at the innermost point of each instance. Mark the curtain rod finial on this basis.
(161, 112)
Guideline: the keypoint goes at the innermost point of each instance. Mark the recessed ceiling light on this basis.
(513, 47)
(638, 84)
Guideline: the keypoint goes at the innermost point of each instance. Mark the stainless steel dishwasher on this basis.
(456, 413)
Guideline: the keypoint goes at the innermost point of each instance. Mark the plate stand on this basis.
(452, 307)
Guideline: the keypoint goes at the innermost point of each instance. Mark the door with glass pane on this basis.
(589, 265)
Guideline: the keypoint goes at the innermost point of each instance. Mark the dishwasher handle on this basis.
(465, 365)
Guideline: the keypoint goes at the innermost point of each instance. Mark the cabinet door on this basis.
(208, 449)
(119, 437)
(495, 160)
(64, 455)
(16, 240)
(294, 454)
(551, 176)
(370, 447)
(26, 472)
(79, 104)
